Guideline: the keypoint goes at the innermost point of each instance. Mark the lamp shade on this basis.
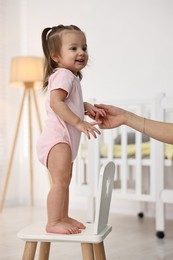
(26, 70)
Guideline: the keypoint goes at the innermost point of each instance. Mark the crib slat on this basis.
(124, 168)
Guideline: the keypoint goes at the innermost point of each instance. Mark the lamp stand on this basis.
(28, 92)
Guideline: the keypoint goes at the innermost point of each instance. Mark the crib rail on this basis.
(140, 162)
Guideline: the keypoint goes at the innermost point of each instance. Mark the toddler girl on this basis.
(65, 51)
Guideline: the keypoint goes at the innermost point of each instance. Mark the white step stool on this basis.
(91, 238)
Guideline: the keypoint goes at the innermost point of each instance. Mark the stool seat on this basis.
(91, 238)
(36, 232)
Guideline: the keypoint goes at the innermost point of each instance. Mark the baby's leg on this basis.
(59, 165)
(69, 220)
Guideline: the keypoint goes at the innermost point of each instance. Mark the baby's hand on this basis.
(94, 112)
(88, 128)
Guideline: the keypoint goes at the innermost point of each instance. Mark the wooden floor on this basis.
(131, 238)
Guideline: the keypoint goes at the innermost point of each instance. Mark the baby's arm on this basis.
(58, 105)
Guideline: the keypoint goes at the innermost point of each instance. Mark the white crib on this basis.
(140, 161)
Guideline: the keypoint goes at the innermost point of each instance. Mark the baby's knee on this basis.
(63, 181)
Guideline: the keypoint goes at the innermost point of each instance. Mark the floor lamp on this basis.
(25, 71)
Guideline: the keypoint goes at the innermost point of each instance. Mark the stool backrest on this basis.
(104, 194)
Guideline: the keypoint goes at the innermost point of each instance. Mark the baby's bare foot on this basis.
(74, 222)
(62, 228)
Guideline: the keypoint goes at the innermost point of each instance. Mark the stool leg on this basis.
(44, 250)
(99, 251)
(87, 251)
(29, 250)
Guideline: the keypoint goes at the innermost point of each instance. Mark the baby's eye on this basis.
(73, 48)
(84, 48)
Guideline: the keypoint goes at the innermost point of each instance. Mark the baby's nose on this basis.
(81, 52)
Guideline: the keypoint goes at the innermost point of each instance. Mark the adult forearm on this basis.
(158, 130)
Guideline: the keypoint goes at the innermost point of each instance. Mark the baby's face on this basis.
(74, 55)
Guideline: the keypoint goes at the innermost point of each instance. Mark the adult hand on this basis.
(115, 116)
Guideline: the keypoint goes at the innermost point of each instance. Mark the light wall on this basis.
(130, 42)
(130, 45)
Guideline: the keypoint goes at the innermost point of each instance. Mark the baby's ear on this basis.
(55, 57)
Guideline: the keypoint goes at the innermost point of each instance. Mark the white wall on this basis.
(131, 55)
(130, 42)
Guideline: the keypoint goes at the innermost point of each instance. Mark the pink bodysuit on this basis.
(55, 129)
